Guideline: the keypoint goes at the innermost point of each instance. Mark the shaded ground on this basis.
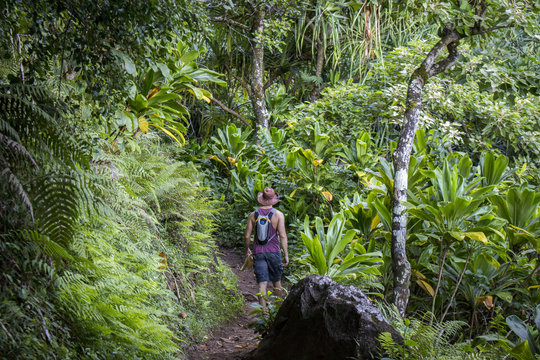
(233, 340)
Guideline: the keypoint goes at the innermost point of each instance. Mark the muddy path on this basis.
(232, 340)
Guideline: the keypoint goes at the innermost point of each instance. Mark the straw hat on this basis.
(268, 197)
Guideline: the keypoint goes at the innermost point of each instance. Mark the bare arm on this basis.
(283, 237)
(249, 230)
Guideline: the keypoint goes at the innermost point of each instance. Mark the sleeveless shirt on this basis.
(273, 245)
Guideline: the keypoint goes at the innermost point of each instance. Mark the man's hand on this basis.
(248, 252)
(286, 262)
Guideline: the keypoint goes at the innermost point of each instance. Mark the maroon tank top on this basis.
(273, 245)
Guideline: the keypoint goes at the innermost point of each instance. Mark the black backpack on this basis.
(262, 227)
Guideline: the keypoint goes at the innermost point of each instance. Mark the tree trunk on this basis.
(257, 75)
(400, 265)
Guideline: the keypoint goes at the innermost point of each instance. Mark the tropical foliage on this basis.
(109, 231)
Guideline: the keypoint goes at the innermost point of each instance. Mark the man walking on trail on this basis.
(268, 224)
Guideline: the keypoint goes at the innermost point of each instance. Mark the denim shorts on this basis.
(267, 267)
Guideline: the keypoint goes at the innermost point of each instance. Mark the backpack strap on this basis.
(270, 214)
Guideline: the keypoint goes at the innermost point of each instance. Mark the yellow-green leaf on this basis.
(457, 235)
(163, 261)
(376, 220)
(170, 134)
(153, 92)
(214, 157)
(308, 154)
(486, 300)
(418, 274)
(143, 124)
(425, 285)
(327, 195)
(478, 236)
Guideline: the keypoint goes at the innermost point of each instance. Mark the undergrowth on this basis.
(426, 338)
(111, 258)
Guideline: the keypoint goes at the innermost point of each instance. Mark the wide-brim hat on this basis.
(268, 197)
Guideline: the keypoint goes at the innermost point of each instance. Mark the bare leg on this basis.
(262, 290)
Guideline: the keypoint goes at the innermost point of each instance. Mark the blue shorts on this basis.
(267, 267)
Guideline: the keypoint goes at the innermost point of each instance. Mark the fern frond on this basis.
(57, 204)
(48, 246)
(14, 184)
(31, 110)
(16, 148)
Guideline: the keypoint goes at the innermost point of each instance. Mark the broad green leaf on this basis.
(139, 103)
(189, 56)
(129, 65)
(519, 328)
(307, 229)
(162, 97)
(457, 235)
(320, 230)
(164, 69)
(504, 295)
(340, 245)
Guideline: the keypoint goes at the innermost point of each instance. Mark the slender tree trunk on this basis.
(400, 265)
(257, 74)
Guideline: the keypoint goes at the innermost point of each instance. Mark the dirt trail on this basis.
(233, 340)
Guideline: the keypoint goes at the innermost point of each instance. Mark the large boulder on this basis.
(321, 319)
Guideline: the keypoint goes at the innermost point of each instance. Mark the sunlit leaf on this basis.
(143, 124)
(376, 220)
(214, 157)
(163, 260)
(170, 134)
(153, 92)
(327, 195)
(486, 300)
(426, 286)
(478, 236)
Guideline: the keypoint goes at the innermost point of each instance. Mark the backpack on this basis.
(262, 227)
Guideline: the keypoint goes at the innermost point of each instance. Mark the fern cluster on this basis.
(103, 255)
(425, 338)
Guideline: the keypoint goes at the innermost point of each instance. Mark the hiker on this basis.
(267, 223)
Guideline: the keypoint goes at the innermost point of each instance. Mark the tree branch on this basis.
(481, 14)
(475, 31)
(230, 111)
(448, 36)
(446, 63)
(231, 22)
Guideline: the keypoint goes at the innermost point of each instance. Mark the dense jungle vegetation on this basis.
(403, 138)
